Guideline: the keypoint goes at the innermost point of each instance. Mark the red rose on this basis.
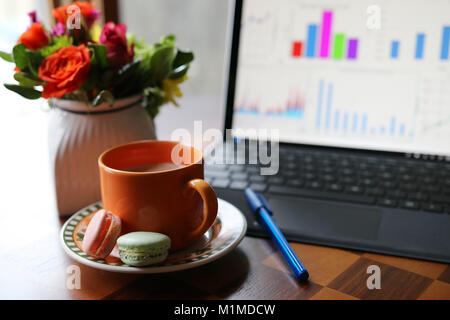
(35, 37)
(114, 37)
(65, 71)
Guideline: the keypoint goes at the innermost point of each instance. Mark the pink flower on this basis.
(33, 16)
(58, 30)
(114, 38)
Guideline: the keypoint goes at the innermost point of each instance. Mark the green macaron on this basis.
(143, 248)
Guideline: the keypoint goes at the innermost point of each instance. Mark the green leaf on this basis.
(25, 92)
(161, 63)
(103, 96)
(179, 72)
(182, 58)
(181, 64)
(57, 43)
(27, 80)
(169, 40)
(20, 56)
(34, 61)
(99, 58)
(126, 72)
(6, 56)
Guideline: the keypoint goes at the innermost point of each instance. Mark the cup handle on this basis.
(209, 204)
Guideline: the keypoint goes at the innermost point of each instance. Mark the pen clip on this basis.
(264, 204)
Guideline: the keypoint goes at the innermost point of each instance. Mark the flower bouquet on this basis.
(95, 79)
(76, 60)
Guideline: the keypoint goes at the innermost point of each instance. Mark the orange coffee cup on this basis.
(176, 202)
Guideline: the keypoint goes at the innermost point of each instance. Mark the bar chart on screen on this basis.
(316, 71)
(365, 120)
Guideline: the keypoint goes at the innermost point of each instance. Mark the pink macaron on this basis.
(101, 234)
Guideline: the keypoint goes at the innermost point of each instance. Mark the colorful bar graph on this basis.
(420, 41)
(345, 122)
(311, 42)
(319, 103)
(445, 45)
(402, 129)
(352, 51)
(329, 100)
(364, 123)
(352, 122)
(338, 52)
(325, 44)
(392, 126)
(297, 47)
(355, 122)
(395, 49)
(327, 18)
(336, 120)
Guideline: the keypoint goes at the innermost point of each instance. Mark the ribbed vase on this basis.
(78, 134)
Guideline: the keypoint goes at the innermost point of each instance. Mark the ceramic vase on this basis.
(78, 134)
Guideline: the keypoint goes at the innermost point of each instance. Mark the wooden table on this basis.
(34, 266)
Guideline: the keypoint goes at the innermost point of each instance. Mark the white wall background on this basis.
(200, 25)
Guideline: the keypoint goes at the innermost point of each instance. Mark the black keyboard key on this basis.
(289, 173)
(314, 185)
(433, 207)
(237, 167)
(258, 187)
(407, 178)
(347, 172)
(292, 166)
(419, 196)
(336, 187)
(409, 187)
(216, 167)
(257, 178)
(253, 169)
(276, 180)
(328, 178)
(326, 170)
(348, 180)
(440, 198)
(238, 185)
(355, 189)
(388, 184)
(220, 183)
(321, 195)
(387, 176)
(409, 204)
(375, 192)
(239, 176)
(396, 194)
(387, 202)
(427, 179)
(295, 183)
(308, 168)
(309, 176)
(431, 188)
(368, 182)
(217, 174)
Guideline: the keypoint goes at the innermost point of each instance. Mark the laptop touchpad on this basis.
(313, 218)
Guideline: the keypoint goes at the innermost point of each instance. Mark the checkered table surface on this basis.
(256, 270)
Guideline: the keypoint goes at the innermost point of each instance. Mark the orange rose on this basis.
(35, 37)
(86, 8)
(65, 71)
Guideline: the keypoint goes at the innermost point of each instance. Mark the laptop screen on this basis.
(346, 73)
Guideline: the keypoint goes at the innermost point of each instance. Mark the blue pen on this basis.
(260, 206)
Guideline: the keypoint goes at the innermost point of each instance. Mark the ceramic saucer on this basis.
(223, 236)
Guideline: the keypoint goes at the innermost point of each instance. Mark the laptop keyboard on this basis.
(379, 181)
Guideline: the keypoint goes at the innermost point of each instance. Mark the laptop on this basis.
(360, 96)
